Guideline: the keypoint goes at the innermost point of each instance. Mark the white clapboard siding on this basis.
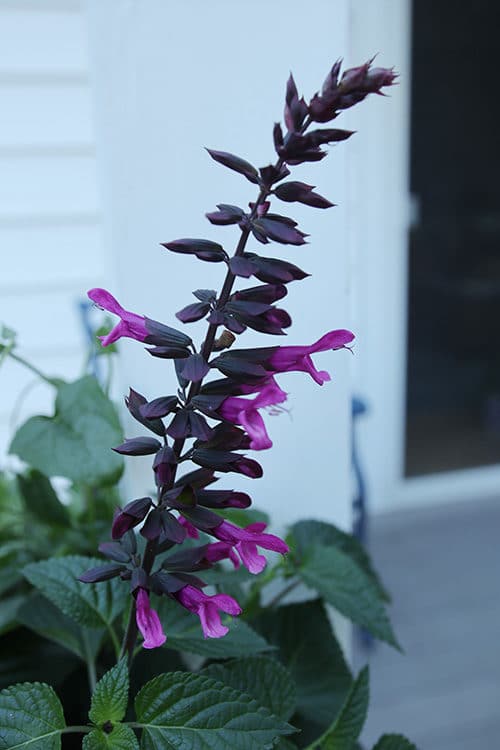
(51, 248)
(36, 42)
(47, 319)
(51, 255)
(38, 185)
(41, 116)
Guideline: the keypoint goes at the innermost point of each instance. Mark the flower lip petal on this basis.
(105, 299)
(148, 622)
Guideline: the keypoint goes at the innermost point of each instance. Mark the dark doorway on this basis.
(453, 378)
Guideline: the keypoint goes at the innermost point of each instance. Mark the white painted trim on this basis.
(54, 151)
(42, 6)
(381, 218)
(33, 78)
(81, 218)
(379, 225)
(468, 485)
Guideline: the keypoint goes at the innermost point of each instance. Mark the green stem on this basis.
(31, 367)
(130, 637)
(90, 661)
(281, 595)
(116, 642)
(76, 728)
(91, 675)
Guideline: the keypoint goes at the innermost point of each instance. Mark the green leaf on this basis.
(309, 649)
(306, 534)
(76, 442)
(394, 742)
(179, 710)
(39, 614)
(31, 716)
(110, 697)
(347, 727)
(41, 500)
(344, 584)
(243, 517)
(184, 633)
(262, 677)
(88, 604)
(9, 611)
(120, 738)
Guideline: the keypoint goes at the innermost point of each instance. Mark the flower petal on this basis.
(148, 622)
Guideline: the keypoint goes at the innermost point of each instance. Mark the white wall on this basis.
(50, 235)
(169, 79)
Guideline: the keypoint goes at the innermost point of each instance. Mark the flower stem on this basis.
(281, 594)
(206, 350)
(81, 728)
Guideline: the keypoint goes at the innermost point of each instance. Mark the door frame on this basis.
(380, 212)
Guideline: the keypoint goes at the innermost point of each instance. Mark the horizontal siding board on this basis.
(48, 42)
(46, 321)
(42, 6)
(45, 116)
(50, 256)
(42, 184)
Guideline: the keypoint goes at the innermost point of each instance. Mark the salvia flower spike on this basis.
(213, 421)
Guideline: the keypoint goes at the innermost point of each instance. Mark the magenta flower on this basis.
(245, 412)
(207, 609)
(221, 551)
(148, 622)
(131, 325)
(298, 358)
(191, 530)
(246, 540)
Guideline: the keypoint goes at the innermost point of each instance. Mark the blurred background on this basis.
(105, 108)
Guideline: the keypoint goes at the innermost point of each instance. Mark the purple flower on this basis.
(191, 530)
(131, 515)
(298, 358)
(207, 609)
(148, 622)
(246, 540)
(131, 325)
(221, 551)
(245, 412)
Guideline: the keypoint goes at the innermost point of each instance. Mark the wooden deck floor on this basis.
(442, 567)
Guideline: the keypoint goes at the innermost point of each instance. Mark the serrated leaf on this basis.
(308, 647)
(344, 584)
(39, 614)
(308, 533)
(110, 697)
(179, 710)
(93, 605)
(184, 634)
(394, 742)
(120, 738)
(76, 442)
(347, 727)
(31, 716)
(262, 677)
(41, 500)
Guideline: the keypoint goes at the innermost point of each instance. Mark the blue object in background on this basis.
(360, 520)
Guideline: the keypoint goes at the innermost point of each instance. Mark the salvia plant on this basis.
(154, 580)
